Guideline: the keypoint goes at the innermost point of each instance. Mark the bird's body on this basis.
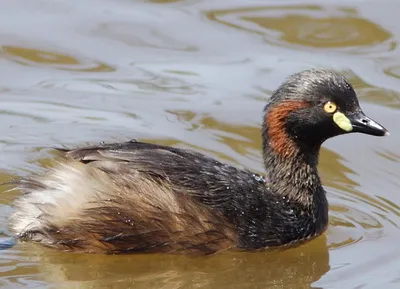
(138, 197)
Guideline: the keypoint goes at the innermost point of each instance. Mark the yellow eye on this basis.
(330, 107)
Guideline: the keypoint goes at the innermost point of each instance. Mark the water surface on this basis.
(197, 74)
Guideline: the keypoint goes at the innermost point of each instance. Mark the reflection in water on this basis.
(300, 266)
(35, 57)
(244, 140)
(308, 26)
(333, 171)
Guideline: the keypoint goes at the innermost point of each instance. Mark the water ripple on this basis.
(56, 60)
(333, 28)
(357, 217)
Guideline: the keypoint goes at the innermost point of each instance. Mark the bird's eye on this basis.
(330, 107)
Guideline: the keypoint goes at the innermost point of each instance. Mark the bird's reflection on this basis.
(297, 267)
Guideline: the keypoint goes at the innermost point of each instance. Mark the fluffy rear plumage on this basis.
(110, 206)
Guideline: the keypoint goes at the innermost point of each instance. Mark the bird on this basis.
(137, 197)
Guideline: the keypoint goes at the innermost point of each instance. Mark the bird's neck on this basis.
(291, 164)
(292, 172)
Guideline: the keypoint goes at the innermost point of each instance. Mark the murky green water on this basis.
(197, 74)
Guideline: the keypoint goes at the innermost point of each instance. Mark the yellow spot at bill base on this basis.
(342, 121)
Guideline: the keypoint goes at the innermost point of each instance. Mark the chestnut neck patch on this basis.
(278, 139)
